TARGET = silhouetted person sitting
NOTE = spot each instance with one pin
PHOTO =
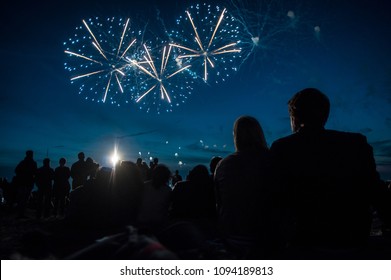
(242, 195)
(25, 173)
(79, 171)
(327, 181)
(156, 200)
(61, 187)
(193, 199)
(44, 181)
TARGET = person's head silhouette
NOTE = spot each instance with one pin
(29, 154)
(81, 156)
(248, 134)
(308, 108)
(62, 161)
(46, 162)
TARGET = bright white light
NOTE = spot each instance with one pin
(291, 14)
(115, 158)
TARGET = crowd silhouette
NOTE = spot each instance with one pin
(314, 194)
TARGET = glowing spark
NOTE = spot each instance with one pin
(82, 56)
(119, 83)
(131, 44)
(99, 50)
(217, 26)
(158, 77)
(86, 75)
(180, 70)
(107, 88)
(195, 31)
(182, 47)
(93, 36)
(122, 37)
(142, 96)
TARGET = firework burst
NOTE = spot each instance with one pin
(167, 83)
(208, 39)
(98, 56)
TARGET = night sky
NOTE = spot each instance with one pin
(341, 47)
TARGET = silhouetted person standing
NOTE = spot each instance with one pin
(327, 181)
(213, 164)
(25, 173)
(61, 186)
(241, 183)
(152, 165)
(44, 181)
(79, 171)
(143, 167)
(176, 178)
(91, 168)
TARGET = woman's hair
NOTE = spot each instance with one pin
(248, 134)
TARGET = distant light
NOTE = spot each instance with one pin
(115, 158)
(291, 14)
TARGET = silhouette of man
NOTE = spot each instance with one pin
(61, 187)
(213, 164)
(44, 181)
(79, 171)
(327, 179)
(91, 168)
(176, 178)
(25, 173)
(144, 169)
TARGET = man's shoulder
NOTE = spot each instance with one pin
(329, 134)
(284, 141)
(345, 135)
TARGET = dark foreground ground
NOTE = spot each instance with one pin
(50, 238)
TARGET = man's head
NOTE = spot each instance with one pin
(213, 163)
(308, 108)
(29, 154)
(248, 134)
(62, 161)
(81, 156)
(46, 162)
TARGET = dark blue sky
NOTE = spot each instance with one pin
(347, 56)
